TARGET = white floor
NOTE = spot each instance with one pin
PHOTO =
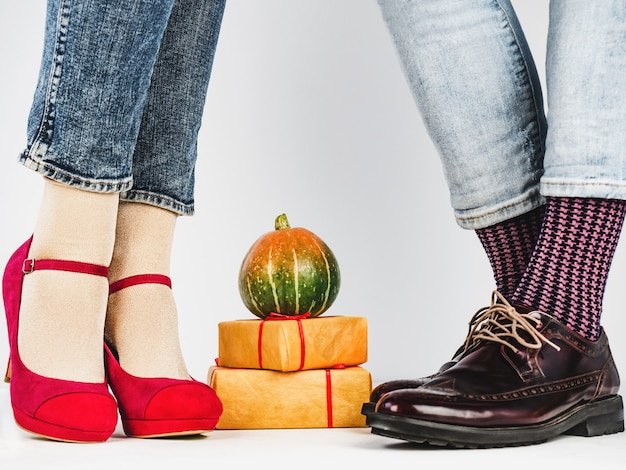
(308, 448)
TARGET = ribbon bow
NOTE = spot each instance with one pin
(273, 316)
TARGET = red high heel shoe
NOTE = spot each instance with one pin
(58, 409)
(160, 407)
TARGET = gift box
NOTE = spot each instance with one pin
(293, 343)
(267, 399)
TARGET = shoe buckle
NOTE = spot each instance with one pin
(28, 266)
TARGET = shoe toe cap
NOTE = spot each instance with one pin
(393, 385)
(192, 400)
(88, 412)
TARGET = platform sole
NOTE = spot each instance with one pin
(57, 432)
(147, 429)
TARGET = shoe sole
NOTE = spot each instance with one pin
(148, 429)
(368, 408)
(598, 418)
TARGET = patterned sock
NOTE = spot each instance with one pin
(567, 274)
(509, 246)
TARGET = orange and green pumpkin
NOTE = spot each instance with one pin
(289, 271)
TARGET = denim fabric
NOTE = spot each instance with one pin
(120, 95)
(475, 82)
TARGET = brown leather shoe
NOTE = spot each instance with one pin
(525, 379)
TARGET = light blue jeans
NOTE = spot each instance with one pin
(475, 82)
(120, 96)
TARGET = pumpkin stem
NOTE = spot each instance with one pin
(281, 222)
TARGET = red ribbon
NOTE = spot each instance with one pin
(329, 394)
(329, 399)
(277, 316)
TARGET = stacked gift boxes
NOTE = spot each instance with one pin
(292, 372)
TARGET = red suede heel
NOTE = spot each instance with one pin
(160, 407)
(58, 409)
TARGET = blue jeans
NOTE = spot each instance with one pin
(475, 82)
(120, 96)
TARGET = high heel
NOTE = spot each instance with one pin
(58, 409)
(159, 407)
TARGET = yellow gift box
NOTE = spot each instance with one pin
(293, 343)
(267, 399)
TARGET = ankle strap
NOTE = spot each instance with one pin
(140, 279)
(31, 265)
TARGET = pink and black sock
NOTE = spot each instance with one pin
(509, 246)
(567, 273)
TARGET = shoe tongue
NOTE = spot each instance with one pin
(524, 309)
(541, 317)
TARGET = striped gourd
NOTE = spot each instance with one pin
(289, 271)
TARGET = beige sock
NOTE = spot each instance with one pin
(62, 314)
(142, 322)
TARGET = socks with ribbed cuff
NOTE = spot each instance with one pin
(142, 321)
(61, 320)
(509, 246)
(567, 273)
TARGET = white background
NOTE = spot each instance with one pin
(308, 113)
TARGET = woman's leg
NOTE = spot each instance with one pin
(142, 321)
(62, 314)
(93, 82)
(147, 373)
(96, 68)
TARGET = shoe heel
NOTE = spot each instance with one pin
(57, 409)
(7, 374)
(601, 424)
